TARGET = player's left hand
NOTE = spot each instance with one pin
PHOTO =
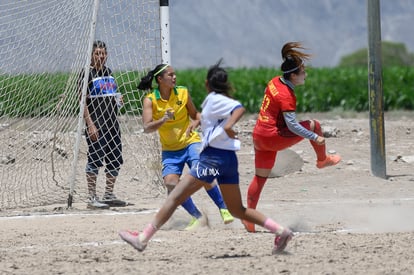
(232, 133)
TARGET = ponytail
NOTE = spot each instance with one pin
(293, 59)
(217, 79)
(146, 81)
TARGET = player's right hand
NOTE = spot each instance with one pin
(169, 114)
(93, 132)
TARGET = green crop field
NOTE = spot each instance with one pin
(326, 89)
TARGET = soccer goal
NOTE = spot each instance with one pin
(44, 46)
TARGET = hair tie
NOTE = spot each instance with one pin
(162, 69)
(294, 69)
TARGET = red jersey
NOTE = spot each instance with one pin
(278, 98)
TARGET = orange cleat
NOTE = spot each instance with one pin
(250, 227)
(330, 160)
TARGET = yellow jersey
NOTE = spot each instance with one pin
(173, 132)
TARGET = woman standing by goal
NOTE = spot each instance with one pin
(103, 134)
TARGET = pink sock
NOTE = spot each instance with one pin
(272, 226)
(147, 233)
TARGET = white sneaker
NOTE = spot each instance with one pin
(93, 203)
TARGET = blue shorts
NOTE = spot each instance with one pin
(173, 161)
(217, 164)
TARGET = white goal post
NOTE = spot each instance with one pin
(44, 46)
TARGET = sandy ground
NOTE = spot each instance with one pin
(346, 221)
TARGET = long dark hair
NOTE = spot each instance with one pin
(217, 78)
(146, 81)
(293, 59)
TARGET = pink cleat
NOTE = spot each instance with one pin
(132, 237)
(281, 241)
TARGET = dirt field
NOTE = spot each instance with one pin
(346, 221)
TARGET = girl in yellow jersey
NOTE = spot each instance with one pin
(168, 109)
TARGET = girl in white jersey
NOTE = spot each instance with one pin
(218, 161)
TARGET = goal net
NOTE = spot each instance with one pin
(44, 47)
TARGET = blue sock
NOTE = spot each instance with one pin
(215, 195)
(190, 207)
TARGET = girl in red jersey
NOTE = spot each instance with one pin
(277, 128)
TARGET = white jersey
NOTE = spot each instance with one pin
(216, 110)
